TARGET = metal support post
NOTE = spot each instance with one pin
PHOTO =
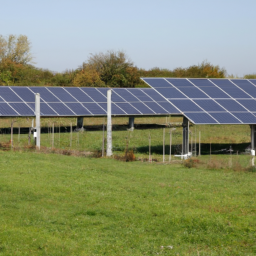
(131, 123)
(185, 143)
(253, 138)
(80, 124)
(38, 126)
(109, 124)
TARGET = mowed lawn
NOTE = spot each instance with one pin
(63, 205)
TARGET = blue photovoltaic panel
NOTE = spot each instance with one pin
(61, 94)
(200, 118)
(8, 95)
(79, 109)
(61, 109)
(95, 109)
(153, 95)
(215, 92)
(128, 108)
(6, 110)
(246, 86)
(209, 105)
(114, 109)
(24, 93)
(249, 104)
(115, 97)
(201, 82)
(253, 81)
(246, 117)
(222, 83)
(225, 118)
(193, 92)
(45, 95)
(230, 88)
(157, 109)
(142, 108)
(179, 82)
(22, 109)
(169, 107)
(126, 95)
(140, 94)
(94, 94)
(231, 105)
(79, 94)
(157, 82)
(171, 93)
(242, 83)
(186, 105)
(45, 110)
(236, 93)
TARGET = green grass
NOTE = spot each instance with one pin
(61, 205)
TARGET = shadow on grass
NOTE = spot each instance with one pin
(206, 148)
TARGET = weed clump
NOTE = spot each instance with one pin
(129, 156)
(191, 162)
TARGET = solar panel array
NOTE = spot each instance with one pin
(71, 101)
(210, 101)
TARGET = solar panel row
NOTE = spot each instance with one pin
(58, 101)
(224, 101)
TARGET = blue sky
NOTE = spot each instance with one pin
(165, 34)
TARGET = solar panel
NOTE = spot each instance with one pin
(139, 94)
(78, 94)
(253, 81)
(142, 108)
(94, 94)
(231, 105)
(186, 105)
(200, 118)
(6, 110)
(128, 108)
(201, 100)
(157, 109)
(22, 108)
(209, 105)
(157, 82)
(8, 95)
(63, 95)
(114, 109)
(171, 93)
(126, 95)
(215, 92)
(225, 118)
(61, 109)
(78, 108)
(249, 104)
(245, 117)
(45, 94)
(221, 100)
(94, 108)
(24, 93)
(179, 82)
(193, 92)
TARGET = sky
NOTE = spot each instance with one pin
(164, 33)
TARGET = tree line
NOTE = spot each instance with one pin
(111, 69)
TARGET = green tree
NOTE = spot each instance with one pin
(88, 77)
(15, 48)
(114, 69)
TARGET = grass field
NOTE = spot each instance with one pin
(62, 205)
(54, 204)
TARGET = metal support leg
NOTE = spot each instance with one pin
(185, 143)
(131, 123)
(80, 124)
(253, 137)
